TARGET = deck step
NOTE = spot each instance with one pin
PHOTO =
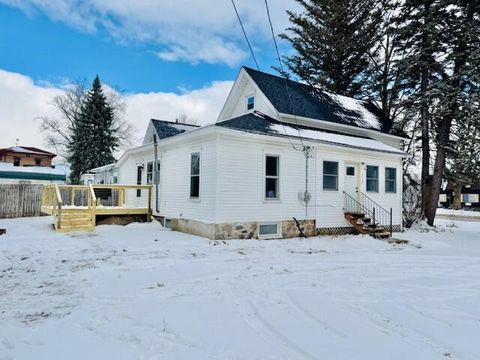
(363, 225)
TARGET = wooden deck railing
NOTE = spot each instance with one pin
(92, 198)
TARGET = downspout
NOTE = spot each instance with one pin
(155, 151)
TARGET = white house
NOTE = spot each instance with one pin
(279, 150)
(106, 174)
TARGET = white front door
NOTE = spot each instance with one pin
(351, 179)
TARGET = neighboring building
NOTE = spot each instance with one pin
(22, 164)
(470, 196)
(275, 153)
(26, 156)
(106, 174)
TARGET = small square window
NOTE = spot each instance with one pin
(350, 171)
(250, 102)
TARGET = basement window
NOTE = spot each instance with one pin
(268, 230)
(250, 102)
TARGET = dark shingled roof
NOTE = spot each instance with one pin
(310, 102)
(262, 124)
(167, 129)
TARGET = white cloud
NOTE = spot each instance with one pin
(22, 101)
(184, 30)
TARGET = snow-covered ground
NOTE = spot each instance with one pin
(450, 213)
(139, 292)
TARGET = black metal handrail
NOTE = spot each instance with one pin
(378, 214)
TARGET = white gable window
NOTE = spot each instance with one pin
(330, 175)
(390, 180)
(250, 102)
(372, 178)
(272, 177)
(195, 175)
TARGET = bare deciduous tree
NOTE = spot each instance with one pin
(58, 130)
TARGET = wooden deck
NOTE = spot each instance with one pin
(77, 207)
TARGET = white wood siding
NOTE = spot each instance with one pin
(330, 203)
(241, 183)
(174, 185)
(232, 180)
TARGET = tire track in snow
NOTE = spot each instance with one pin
(277, 334)
(307, 314)
(395, 327)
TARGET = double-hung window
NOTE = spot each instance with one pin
(372, 178)
(272, 178)
(139, 179)
(390, 180)
(195, 175)
(149, 173)
(330, 175)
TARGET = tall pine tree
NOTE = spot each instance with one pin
(334, 41)
(94, 134)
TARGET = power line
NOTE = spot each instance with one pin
(245, 34)
(284, 77)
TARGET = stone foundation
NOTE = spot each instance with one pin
(244, 230)
(249, 230)
(290, 229)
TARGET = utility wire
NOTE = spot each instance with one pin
(284, 78)
(245, 34)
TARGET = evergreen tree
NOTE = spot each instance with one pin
(463, 163)
(420, 40)
(94, 134)
(461, 28)
(334, 41)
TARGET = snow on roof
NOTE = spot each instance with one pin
(167, 129)
(262, 124)
(102, 168)
(311, 102)
(27, 150)
(364, 118)
(30, 169)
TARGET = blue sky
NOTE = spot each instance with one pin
(167, 57)
(51, 50)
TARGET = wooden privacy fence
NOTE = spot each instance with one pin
(20, 200)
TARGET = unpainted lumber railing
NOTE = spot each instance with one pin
(56, 198)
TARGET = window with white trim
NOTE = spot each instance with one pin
(470, 198)
(372, 178)
(250, 102)
(149, 172)
(442, 198)
(195, 175)
(330, 175)
(268, 230)
(390, 180)
(272, 177)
